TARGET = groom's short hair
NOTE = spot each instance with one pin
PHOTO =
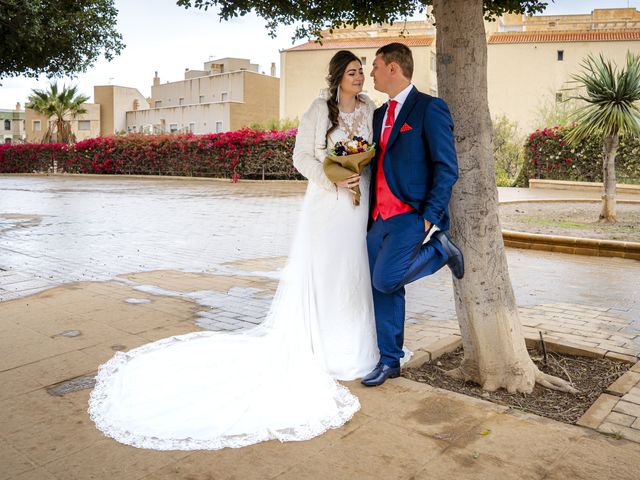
(399, 53)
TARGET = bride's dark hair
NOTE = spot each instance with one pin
(337, 67)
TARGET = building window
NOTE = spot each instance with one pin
(37, 126)
(192, 127)
(224, 96)
(558, 96)
(7, 124)
(560, 55)
(7, 140)
(181, 101)
(158, 103)
(84, 125)
(218, 127)
(363, 60)
(201, 98)
(173, 127)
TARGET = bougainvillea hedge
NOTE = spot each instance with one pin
(246, 153)
(27, 158)
(548, 156)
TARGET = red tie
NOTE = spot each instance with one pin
(386, 204)
(388, 125)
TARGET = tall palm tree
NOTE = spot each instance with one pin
(59, 106)
(613, 98)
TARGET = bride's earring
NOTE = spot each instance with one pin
(338, 94)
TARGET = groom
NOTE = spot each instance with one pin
(412, 177)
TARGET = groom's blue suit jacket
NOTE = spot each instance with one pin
(420, 164)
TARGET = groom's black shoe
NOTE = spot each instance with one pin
(380, 374)
(455, 260)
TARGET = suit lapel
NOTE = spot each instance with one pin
(378, 115)
(407, 106)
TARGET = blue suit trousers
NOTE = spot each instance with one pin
(397, 257)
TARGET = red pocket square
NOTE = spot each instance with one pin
(405, 128)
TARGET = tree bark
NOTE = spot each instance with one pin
(60, 130)
(609, 147)
(495, 354)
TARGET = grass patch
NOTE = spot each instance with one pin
(549, 222)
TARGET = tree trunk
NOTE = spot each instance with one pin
(495, 355)
(48, 134)
(610, 147)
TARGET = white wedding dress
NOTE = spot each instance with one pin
(211, 390)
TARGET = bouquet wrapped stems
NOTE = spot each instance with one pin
(341, 167)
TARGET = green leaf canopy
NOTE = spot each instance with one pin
(56, 37)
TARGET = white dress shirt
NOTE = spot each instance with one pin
(400, 98)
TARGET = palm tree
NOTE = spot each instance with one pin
(61, 105)
(612, 111)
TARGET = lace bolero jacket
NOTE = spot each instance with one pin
(311, 141)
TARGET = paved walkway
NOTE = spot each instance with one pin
(93, 265)
(55, 230)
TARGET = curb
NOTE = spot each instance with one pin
(433, 350)
(572, 245)
(448, 344)
(584, 186)
(147, 177)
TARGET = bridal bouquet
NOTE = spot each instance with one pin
(346, 158)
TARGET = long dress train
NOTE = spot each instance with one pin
(210, 390)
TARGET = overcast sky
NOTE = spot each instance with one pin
(162, 36)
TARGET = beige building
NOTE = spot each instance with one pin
(12, 125)
(83, 126)
(227, 94)
(530, 59)
(114, 103)
(303, 68)
(530, 68)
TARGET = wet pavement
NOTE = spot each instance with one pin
(60, 229)
(57, 229)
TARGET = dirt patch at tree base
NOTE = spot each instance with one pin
(591, 376)
(571, 219)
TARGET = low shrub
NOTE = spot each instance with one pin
(547, 156)
(245, 153)
(32, 158)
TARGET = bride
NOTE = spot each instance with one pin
(211, 390)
